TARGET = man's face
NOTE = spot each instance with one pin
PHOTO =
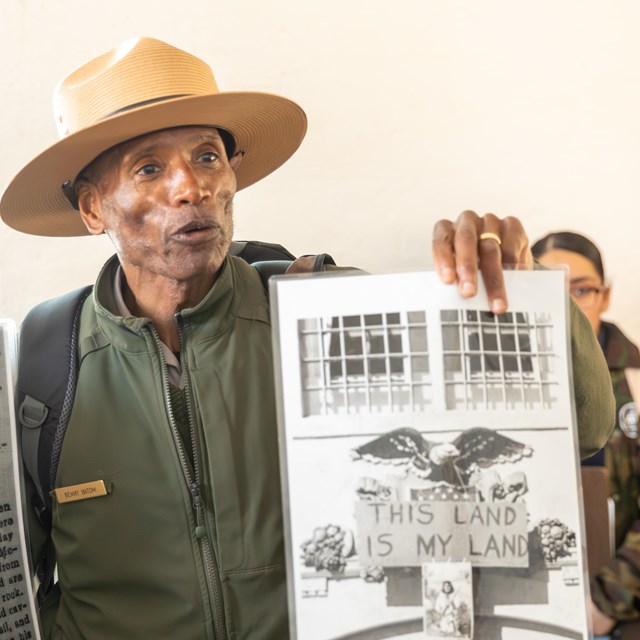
(166, 201)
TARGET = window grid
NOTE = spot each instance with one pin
(496, 362)
(365, 363)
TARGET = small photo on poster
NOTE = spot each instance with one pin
(447, 598)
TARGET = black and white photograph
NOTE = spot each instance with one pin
(448, 600)
(428, 445)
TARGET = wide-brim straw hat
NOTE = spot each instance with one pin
(143, 85)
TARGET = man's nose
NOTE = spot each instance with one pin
(187, 187)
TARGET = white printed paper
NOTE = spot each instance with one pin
(18, 620)
(417, 431)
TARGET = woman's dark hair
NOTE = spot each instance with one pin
(570, 241)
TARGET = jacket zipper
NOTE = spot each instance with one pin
(202, 533)
(210, 569)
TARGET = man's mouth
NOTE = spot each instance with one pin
(196, 231)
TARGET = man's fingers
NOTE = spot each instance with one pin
(490, 259)
(466, 252)
(487, 243)
(516, 252)
(444, 260)
(492, 276)
(455, 251)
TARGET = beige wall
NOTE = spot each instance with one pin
(418, 109)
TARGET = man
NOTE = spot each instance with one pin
(174, 407)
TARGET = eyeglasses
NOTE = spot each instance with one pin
(586, 297)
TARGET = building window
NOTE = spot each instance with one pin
(365, 363)
(497, 361)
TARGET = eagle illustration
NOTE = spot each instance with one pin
(453, 462)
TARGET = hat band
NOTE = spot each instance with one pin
(135, 105)
(70, 194)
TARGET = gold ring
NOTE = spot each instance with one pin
(487, 235)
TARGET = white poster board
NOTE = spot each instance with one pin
(18, 620)
(429, 459)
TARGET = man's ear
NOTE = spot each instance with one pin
(90, 209)
(236, 159)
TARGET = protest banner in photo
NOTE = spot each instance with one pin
(428, 445)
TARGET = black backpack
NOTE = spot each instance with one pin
(47, 375)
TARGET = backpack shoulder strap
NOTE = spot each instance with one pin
(268, 268)
(254, 251)
(47, 367)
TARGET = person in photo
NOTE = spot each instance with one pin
(447, 605)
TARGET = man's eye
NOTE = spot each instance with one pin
(147, 170)
(208, 156)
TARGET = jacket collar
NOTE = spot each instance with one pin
(217, 310)
(619, 351)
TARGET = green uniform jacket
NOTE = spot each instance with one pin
(143, 562)
(616, 588)
(595, 403)
(621, 452)
(182, 552)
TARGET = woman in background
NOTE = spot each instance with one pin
(589, 288)
(616, 589)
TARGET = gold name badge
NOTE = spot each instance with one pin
(84, 491)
